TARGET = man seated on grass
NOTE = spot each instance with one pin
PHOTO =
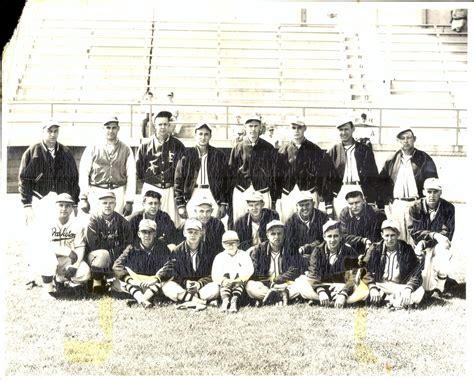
(165, 229)
(304, 227)
(393, 270)
(62, 248)
(251, 227)
(192, 286)
(360, 223)
(328, 277)
(144, 267)
(432, 229)
(276, 265)
(231, 270)
(108, 233)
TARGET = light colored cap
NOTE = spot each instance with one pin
(273, 224)
(403, 129)
(253, 117)
(270, 127)
(303, 196)
(64, 197)
(297, 120)
(230, 236)
(330, 225)
(391, 224)
(432, 183)
(108, 194)
(193, 224)
(203, 201)
(50, 123)
(202, 125)
(344, 122)
(111, 119)
(147, 224)
(254, 196)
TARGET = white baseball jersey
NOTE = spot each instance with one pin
(64, 238)
(239, 266)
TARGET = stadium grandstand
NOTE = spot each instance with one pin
(82, 61)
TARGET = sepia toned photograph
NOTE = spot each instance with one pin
(266, 188)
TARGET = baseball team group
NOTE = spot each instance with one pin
(269, 224)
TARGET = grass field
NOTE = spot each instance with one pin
(102, 336)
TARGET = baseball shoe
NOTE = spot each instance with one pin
(224, 306)
(285, 297)
(146, 304)
(31, 284)
(272, 297)
(233, 305)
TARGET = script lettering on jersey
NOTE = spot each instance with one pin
(62, 234)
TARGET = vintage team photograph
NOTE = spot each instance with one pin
(267, 188)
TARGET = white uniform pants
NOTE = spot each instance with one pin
(286, 206)
(398, 210)
(257, 290)
(239, 201)
(208, 292)
(437, 267)
(96, 192)
(168, 203)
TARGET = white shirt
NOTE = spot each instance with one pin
(275, 264)
(405, 184)
(238, 266)
(255, 237)
(350, 171)
(202, 177)
(63, 238)
(392, 269)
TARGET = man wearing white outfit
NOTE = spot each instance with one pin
(106, 167)
(61, 248)
(304, 166)
(156, 163)
(252, 167)
(432, 229)
(201, 172)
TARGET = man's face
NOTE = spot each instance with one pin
(192, 236)
(202, 137)
(231, 247)
(333, 239)
(297, 131)
(356, 204)
(346, 132)
(151, 206)
(203, 213)
(162, 127)
(107, 206)
(147, 237)
(305, 208)
(432, 197)
(252, 129)
(111, 131)
(390, 237)
(50, 135)
(407, 140)
(275, 236)
(64, 210)
(255, 208)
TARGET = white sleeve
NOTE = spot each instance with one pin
(246, 266)
(131, 188)
(217, 269)
(84, 170)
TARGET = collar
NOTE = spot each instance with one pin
(250, 142)
(157, 142)
(362, 213)
(189, 249)
(424, 204)
(270, 250)
(147, 250)
(294, 143)
(46, 147)
(310, 219)
(384, 249)
(328, 252)
(199, 152)
(405, 156)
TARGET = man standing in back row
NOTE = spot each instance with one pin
(156, 164)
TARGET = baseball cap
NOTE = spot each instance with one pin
(432, 183)
(253, 117)
(192, 224)
(303, 196)
(230, 236)
(147, 224)
(64, 197)
(344, 123)
(50, 123)
(330, 225)
(403, 129)
(203, 201)
(202, 125)
(108, 194)
(254, 196)
(298, 120)
(270, 127)
(274, 223)
(391, 224)
(167, 114)
(111, 119)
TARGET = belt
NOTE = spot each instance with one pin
(407, 199)
(201, 187)
(108, 186)
(166, 185)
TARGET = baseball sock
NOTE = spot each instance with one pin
(134, 291)
(237, 291)
(48, 283)
(225, 292)
(150, 292)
